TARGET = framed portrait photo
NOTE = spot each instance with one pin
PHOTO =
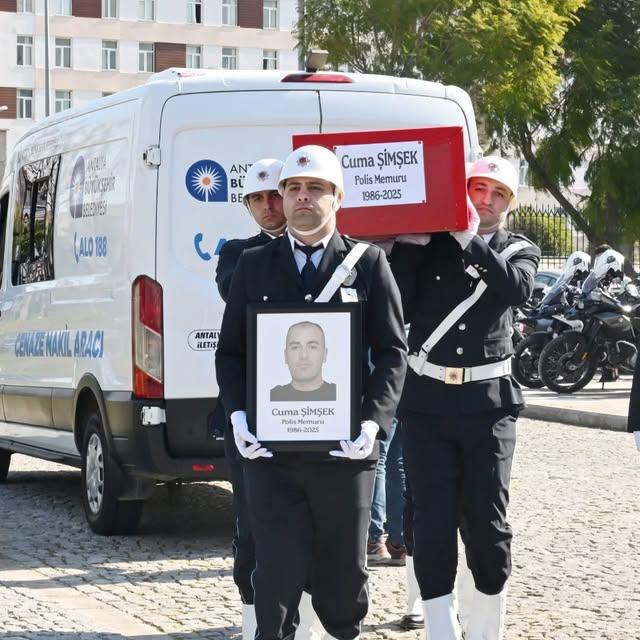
(304, 374)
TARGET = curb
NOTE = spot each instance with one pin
(589, 419)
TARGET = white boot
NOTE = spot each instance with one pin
(440, 619)
(413, 618)
(464, 591)
(486, 621)
(248, 622)
(309, 627)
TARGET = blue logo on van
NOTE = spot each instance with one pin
(206, 181)
(76, 188)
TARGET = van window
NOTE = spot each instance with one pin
(33, 224)
(4, 210)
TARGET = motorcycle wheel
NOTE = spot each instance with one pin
(525, 360)
(562, 367)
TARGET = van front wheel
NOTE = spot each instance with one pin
(105, 513)
(5, 461)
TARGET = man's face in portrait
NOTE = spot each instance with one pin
(305, 353)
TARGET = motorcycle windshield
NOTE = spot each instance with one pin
(555, 293)
(589, 284)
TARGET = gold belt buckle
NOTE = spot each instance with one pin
(453, 375)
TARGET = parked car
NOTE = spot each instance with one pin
(543, 282)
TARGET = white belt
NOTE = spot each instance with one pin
(459, 375)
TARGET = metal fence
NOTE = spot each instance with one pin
(552, 229)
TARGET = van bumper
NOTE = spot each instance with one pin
(143, 451)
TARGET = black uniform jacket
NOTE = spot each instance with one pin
(634, 401)
(270, 272)
(432, 281)
(229, 256)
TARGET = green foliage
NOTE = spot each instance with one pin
(548, 230)
(594, 117)
(557, 79)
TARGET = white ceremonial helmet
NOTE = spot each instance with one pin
(263, 175)
(313, 161)
(609, 263)
(497, 169)
(577, 262)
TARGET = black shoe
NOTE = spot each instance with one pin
(409, 622)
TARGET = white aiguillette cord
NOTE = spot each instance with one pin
(457, 312)
(342, 272)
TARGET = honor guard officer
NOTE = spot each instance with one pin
(633, 425)
(459, 403)
(264, 203)
(310, 511)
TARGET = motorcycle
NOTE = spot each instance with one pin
(547, 321)
(608, 338)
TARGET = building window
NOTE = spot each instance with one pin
(229, 58)
(194, 57)
(230, 12)
(109, 55)
(63, 101)
(269, 59)
(145, 56)
(63, 53)
(25, 51)
(24, 6)
(270, 14)
(25, 104)
(146, 9)
(109, 8)
(194, 11)
(62, 7)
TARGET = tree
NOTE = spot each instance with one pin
(595, 116)
(559, 80)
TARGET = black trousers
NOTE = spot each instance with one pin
(244, 559)
(310, 522)
(459, 469)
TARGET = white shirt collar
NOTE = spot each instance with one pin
(487, 236)
(323, 241)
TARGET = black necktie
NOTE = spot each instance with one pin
(308, 272)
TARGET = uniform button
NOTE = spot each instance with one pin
(437, 277)
(265, 298)
(462, 326)
(459, 351)
(308, 298)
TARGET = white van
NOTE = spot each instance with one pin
(111, 218)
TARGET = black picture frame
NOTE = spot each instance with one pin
(283, 316)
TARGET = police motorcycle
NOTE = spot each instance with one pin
(609, 336)
(548, 320)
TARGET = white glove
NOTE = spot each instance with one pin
(247, 444)
(636, 435)
(362, 446)
(421, 239)
(466, 236)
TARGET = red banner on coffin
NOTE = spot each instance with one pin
(400, 181)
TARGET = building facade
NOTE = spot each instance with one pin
(98, 47)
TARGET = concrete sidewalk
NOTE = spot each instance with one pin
(592, 406)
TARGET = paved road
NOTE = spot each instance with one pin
(576, 512)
